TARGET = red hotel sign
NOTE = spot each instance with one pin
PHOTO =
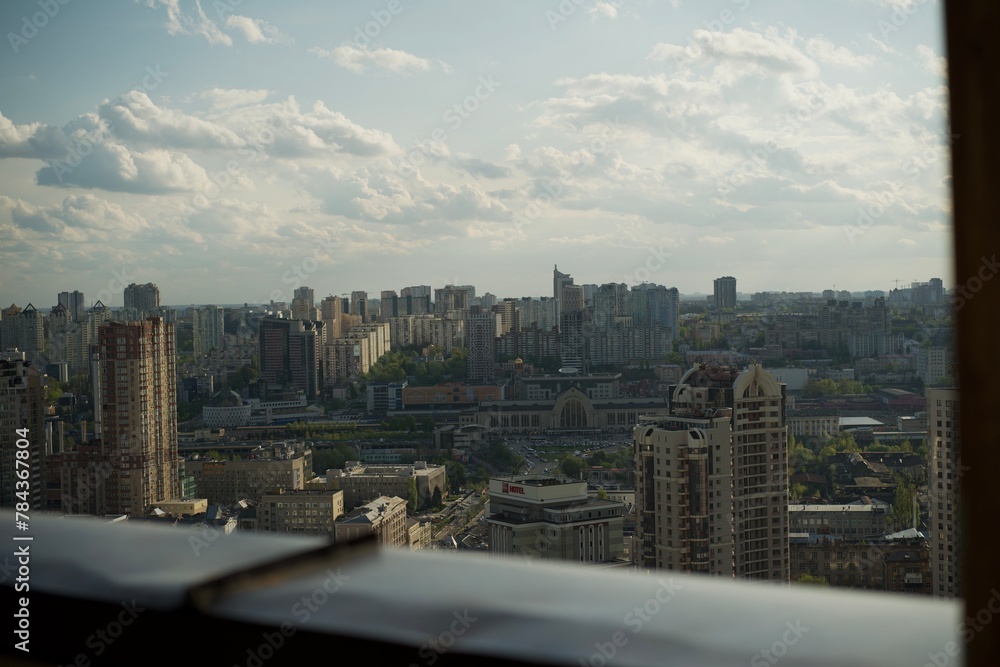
(512, 488)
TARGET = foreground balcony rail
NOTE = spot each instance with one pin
(129, 594)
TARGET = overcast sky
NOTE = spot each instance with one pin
(232, 150)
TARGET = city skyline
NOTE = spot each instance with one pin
(90, 298)
(217, 149)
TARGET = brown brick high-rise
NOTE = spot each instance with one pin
(138, 389)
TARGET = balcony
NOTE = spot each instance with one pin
(287, 599)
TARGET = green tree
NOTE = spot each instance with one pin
(810, 579)
(902, 505)
(436, 502)
(53, 390)
(571, 466)
(455, 473)
(411, 494)
(602, 494)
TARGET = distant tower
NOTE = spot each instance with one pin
(303, 304)
(725, 292)
(359, 305)
(944, 472)
(74, 303)
(22, 413)
(208, 325)
(559, 280)
(137, 370)
(480, 335)
(142, 298)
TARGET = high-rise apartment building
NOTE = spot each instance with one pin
(74, 303)
(22, 429)
(725, 292)
(684, 507)
(453, 298)
(142, 298)
(208, 324)
(138, 403)
(359, 305)
(24, 330)
(559, 280)
(758, 457)
(290, 354)
(572, 318)
(480, 338)
(943, 474)
(415, 300)
(303, 304)
(388, 305)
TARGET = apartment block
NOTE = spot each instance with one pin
(137, 375)
(684, 485)
(384, 517)
(300, 512)
(226, 482)
(22, 434)
(362, 483)
(943, 480)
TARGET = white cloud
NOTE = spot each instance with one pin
(606, 9)
(224, 99)
(257, 31)
(716, 240)
(932, 63)
(80, 218)
(357, 59)
(135, 117)
(195, 24)
(113, 166)
(828, 53)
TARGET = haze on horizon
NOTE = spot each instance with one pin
(217, 148)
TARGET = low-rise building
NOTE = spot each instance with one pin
(300, 512)
(362, 483)
(385, 517)
(898, 562)
(226, 482)
(540, 516)
(848, 521)
(418, 534)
